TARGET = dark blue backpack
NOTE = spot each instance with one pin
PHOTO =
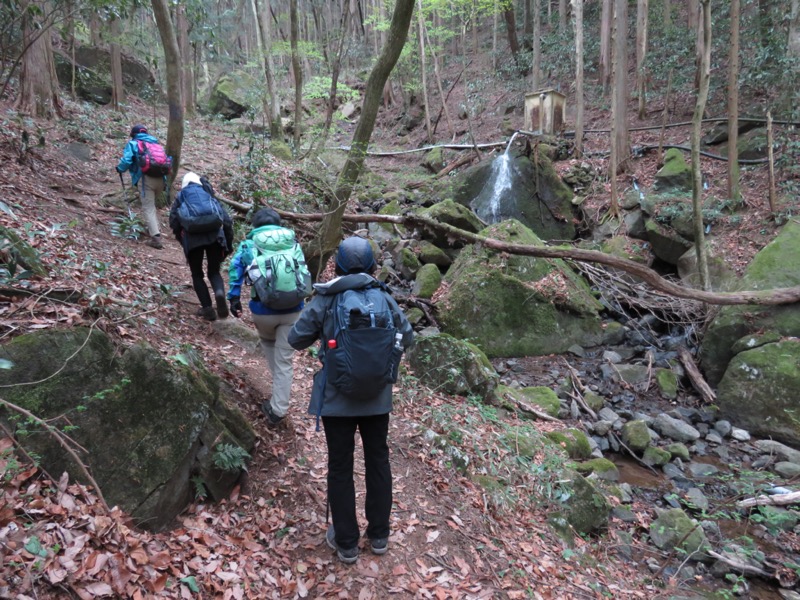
(368, 344)
(199, 212)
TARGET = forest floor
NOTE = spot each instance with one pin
(450, 538)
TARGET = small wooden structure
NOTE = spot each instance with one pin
(544, 111)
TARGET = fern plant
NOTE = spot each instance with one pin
(128, 226)
(230, 457)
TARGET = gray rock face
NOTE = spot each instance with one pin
(675, 429)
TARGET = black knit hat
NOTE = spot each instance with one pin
(355, 256)
(138, 129)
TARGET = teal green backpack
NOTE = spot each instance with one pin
(278, 271)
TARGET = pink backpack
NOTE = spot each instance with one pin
(153, 159)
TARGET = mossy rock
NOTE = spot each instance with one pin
(231, 96)
(573, 441)
(767, 270)
(721, 277)
(759, 391)
(383, 232)
(539, 397)
(16, 252)
(456, 367)
(656, 457)
(517, 305)
(280, 149)
(434, 160)
(667, 382)
(489, 483)
(414, 315)
(636, 435)
(433, 255)
(678, 450)
(450, 213)
(628, 248)
(427, 281)
(602, 468)
(674, 529)
(676, 174)
(520, 441)
(148, 426)
(594, 401)
(585, 508)
(666, 243)
(407, 263)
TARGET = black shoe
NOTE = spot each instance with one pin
(222, 305)
(379, 545)
(273, 420)
(347, 556)
(208, 313)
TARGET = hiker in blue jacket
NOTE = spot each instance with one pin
(342, 415)
(150, 187)
(272, 325)
(214, 244)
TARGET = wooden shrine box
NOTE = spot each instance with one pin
(544, 111)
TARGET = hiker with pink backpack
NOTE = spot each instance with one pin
(149, 166)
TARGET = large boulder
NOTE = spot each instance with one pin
(675, 175)
(520, 188)
(454, 214)
(442, 362)
(231, 96)
(583, 506)
(759, 390)
(767, 270)
(517, 305)
(148, 427)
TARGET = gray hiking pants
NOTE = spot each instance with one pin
(274, 332)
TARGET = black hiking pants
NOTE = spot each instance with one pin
(340, 437)
(214, 254)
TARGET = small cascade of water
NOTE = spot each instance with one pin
(487, 204)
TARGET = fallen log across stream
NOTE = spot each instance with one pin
(770, 297)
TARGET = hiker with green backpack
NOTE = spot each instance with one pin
(272, 262)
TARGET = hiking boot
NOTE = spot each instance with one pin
(379, 545)
(155, 242)
(208, 313)
(347, 556)
(222, 305)
(273, 420)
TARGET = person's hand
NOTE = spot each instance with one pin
(236, 306)
(117, 170)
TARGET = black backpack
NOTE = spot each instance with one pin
(199, 211)
(368, 347)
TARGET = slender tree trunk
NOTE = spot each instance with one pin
(773, 205)
(439, 87)
(172, 60)
(733, 104)
(698, 45)
(562, 16)
(335, 68)
(511, 27)
(117, 88)
(424, 71)
(793, 44)
(298, 73)
(693, 10)
(764, 21)
(641, 54)
(606, 25)
(331, 228)
(619, 110)
(577, 15)
(697, 174)
(273, 109)
(388, 92)
(536, 65)
(182, 25)
(494, 35)
(38, 84)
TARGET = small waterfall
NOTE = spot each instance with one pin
(487, 203)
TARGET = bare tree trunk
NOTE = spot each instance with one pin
(698, 47)
(117, 89)
(771, 158)
(336, 66)
(38, 84)
(620, 93)
(536, 66)
(697, 174)
(793, 43)
(298, 73)
(606, 25)
(693, 10)
(439, 87)
(511, 30)
(331, 228)
(424, 71)
(182, 25)
(562, 16)
(641, 54)
(172, 60)
(494, 36)
(273, 109)
(577, 15)
(733, 104)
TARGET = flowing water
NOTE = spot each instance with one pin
(487, 203)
